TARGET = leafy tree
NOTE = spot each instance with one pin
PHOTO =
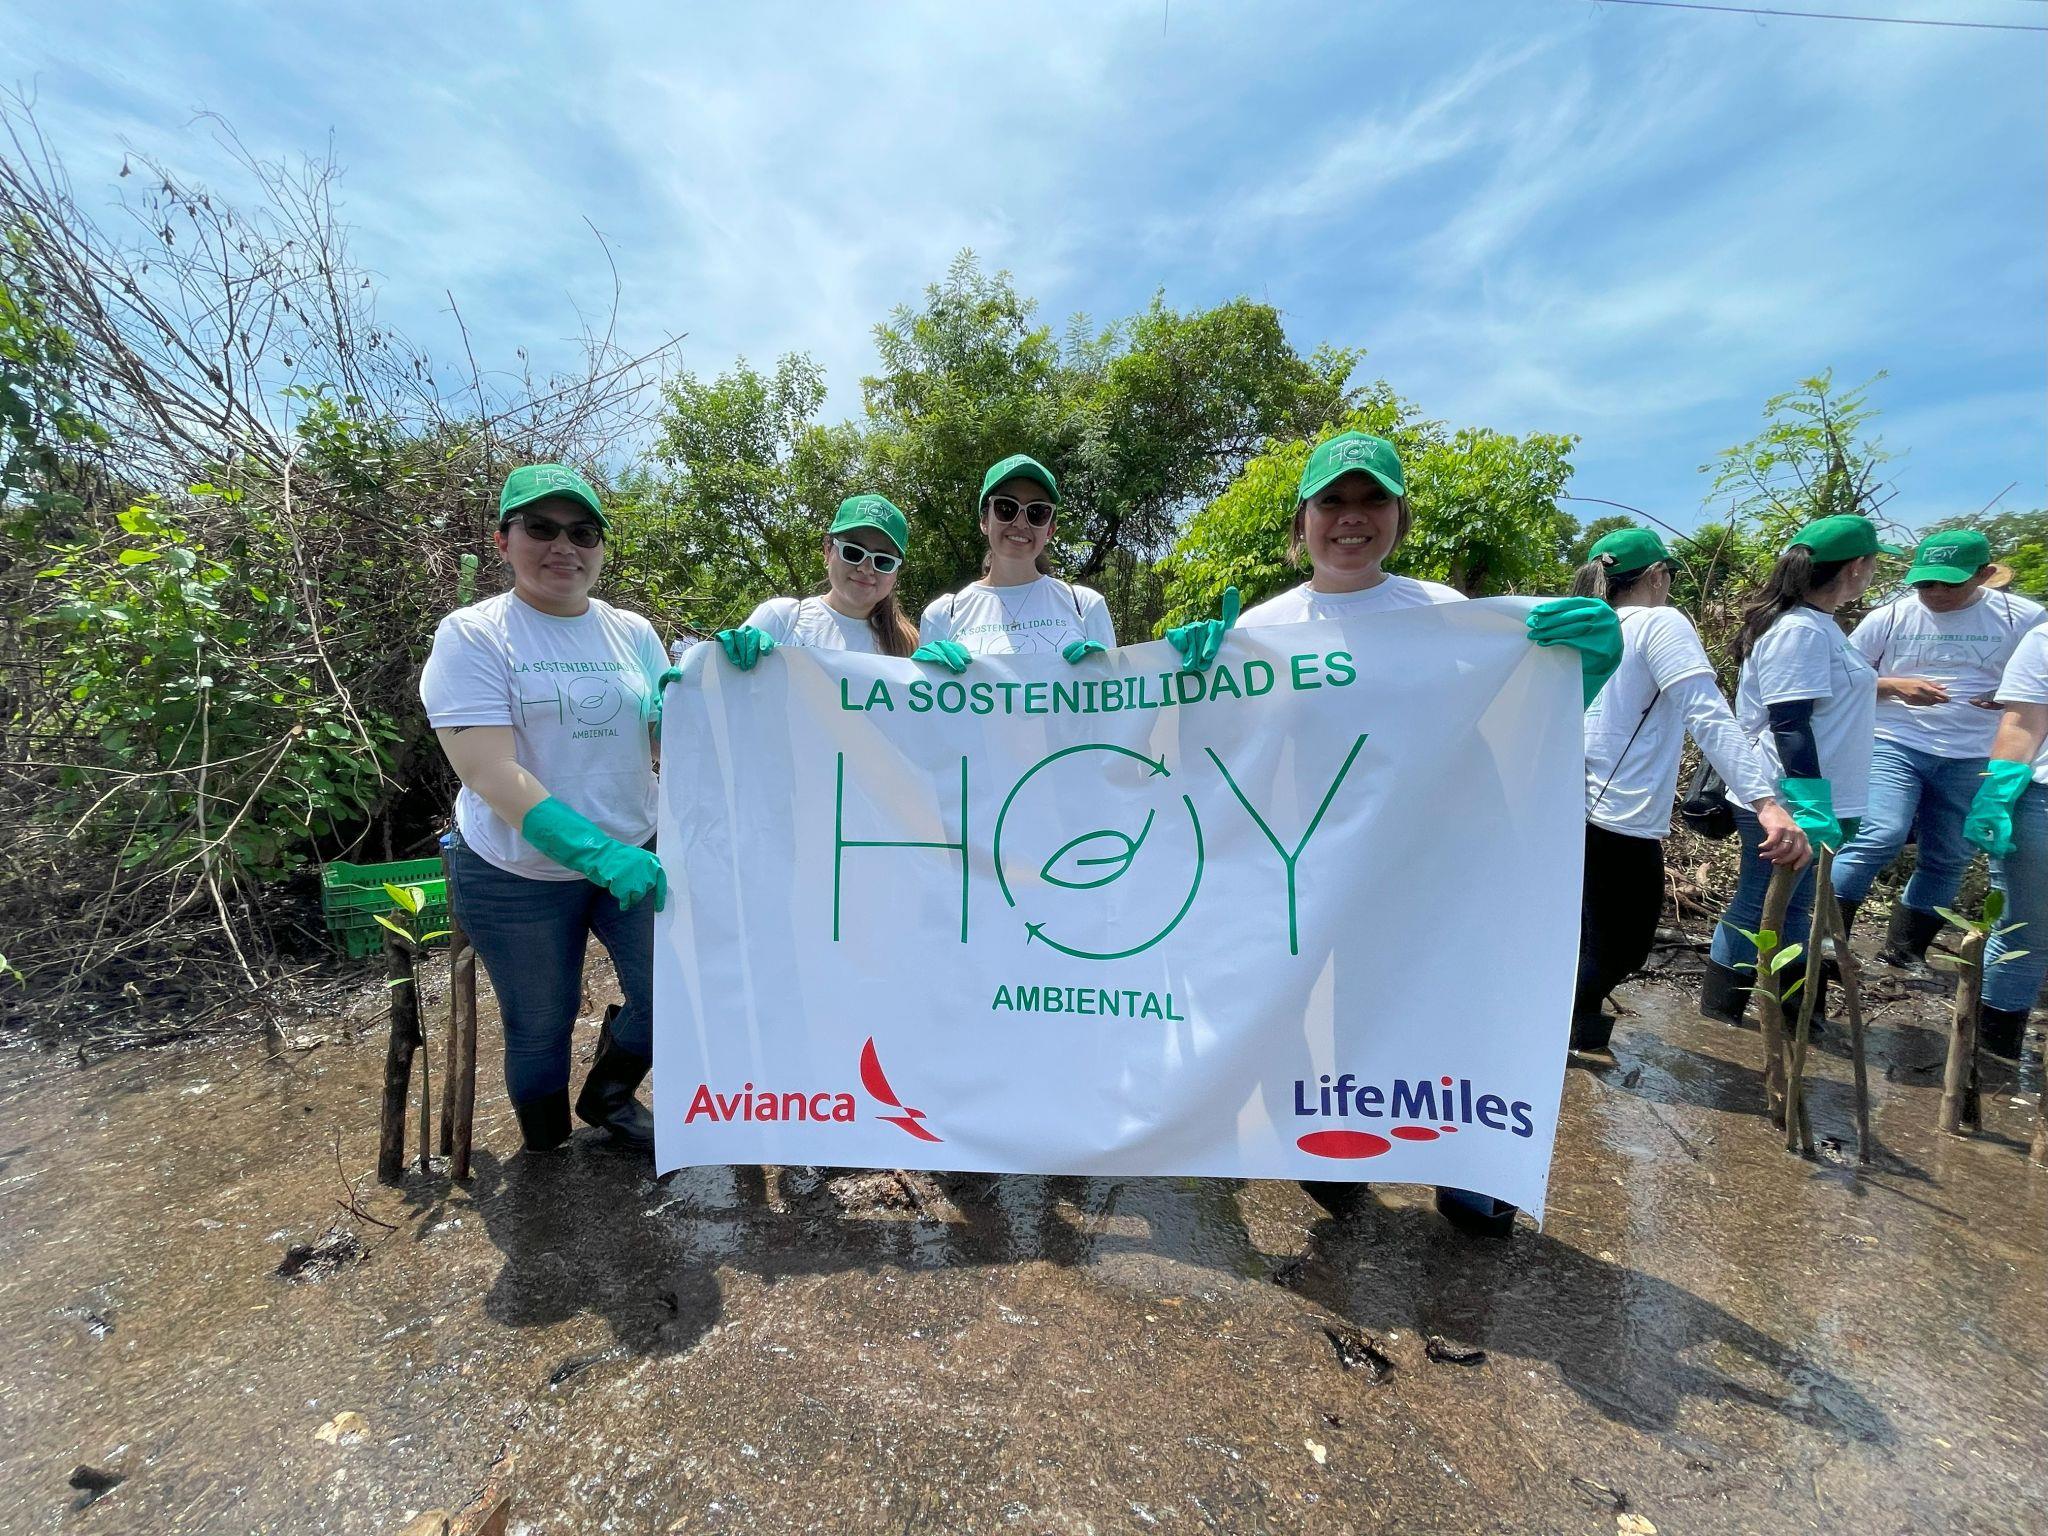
(1598, 529)
(1812, 459)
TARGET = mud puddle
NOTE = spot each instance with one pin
(1709, 1336)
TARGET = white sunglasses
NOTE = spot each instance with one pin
(854, 554)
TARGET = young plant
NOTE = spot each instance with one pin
(408, 1035)
(1959, 1077)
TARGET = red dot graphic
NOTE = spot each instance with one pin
(1445, 1081)
(1447, 1129)
(1345, 1143)
(1417, 1132)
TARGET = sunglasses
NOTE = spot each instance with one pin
(856, 554)
(542, 530)
(1036, 513)
(1377, 496)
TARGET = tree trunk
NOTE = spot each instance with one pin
(1769, 1007)
(398, 1053)
(1959, 1080)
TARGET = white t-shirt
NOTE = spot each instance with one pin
(2026, 682)
(578, 694)
(1039, 618)
(1636, 726)
(811, 623)
(1299, 604)
(1805, 655)
(1965, 651)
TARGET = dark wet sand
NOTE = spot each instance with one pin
(1710, 1335)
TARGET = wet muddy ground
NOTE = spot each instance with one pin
(1710, 1335)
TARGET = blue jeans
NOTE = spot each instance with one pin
(1746, 908)
(1908, 785)
(2023, 876)
(530, 935)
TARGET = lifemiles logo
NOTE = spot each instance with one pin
(1431, 1108)
(765, 1105)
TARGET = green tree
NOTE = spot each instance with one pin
(1814, 458)
(2019, 539)
(1598, 529)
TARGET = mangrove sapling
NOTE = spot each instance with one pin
(1798, 1126)
(1851, 974)
(1773, 956)
(402, 945)
(1959, 1077)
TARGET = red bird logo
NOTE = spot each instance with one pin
(876, 1081)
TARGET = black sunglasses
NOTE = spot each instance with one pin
(1036, 513)
(854, 554)
(542, 530)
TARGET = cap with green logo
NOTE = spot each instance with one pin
(1631, 549)
(1020, 464)
(1348, 452)
(1953, 555)
(1845, 536)
(877, 512)
(537, 482)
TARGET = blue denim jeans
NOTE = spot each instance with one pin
(1908, 786)
(531, 935)
(2023, 876)
(1746, 908)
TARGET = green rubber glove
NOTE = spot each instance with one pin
(745, 646)
(1081, 650)
(1199, 642)
(949, 654)
(1989, 823)
(575, 842)
(1812, 805)
(652, 707)
(1589, 627)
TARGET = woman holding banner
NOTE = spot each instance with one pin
(864, 550)
(1351, 512)
(1663, 688)
(1018, 608)
(545, 699)
(1808, 699)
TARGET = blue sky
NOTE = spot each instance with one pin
(1627, 223)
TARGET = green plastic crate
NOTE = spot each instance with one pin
(352, 897)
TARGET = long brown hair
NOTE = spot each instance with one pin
(894, 633)
(1795, 575)
(1596, 578)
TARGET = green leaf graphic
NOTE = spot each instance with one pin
(1111, 854)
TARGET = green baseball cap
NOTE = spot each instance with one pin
(1349, 451)
(877, 512)
(537, 482)
(1845, 536)
(1020, 464)
(1953, 555)
(1632, 549)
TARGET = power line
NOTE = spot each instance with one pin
(1897, 21)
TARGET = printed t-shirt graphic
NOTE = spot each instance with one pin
(577, 693)
(1035, 619)
(1965, 651)
(813, 624)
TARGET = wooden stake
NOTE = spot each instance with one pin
(448, 1054)
(1770, 1007)
(1852, 994)
(398, 1053)
(1959, 1079)
(462, 982)
(1798, 1127)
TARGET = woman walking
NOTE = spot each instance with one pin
(544, 699)
(1663, 689)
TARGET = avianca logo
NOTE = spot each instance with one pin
(765, 1105)
(1433, 1108)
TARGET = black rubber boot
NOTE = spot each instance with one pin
(544, 1122)
(1592, 1034)
(1340, 1197)
(1476, 1214)
(1908, 934)
(2000, 1031)
(607, 1098)
(1724, 994)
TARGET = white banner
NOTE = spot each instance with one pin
(1310, 914)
